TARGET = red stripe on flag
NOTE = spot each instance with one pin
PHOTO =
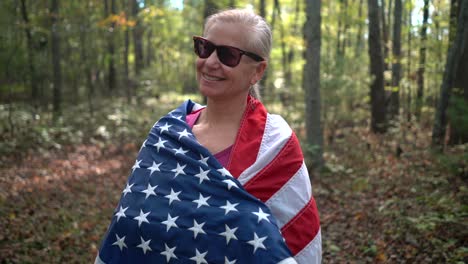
(303, 228)
(278, 172)
(249, 138)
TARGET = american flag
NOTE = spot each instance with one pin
(181, 206)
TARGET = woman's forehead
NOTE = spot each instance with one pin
(231, 34)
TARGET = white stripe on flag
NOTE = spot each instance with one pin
(277, 133)
(312, 253)
(292, 197)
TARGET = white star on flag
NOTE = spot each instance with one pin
(257, 242)
(173, 196)
(183, 134)
(201, 201)
(226, 261)
(120, 242)
(203, 175)
(154, 167)
(149, 190)
(197, 228)
(179, 170)
(261, 215)
(199, 257)
(142, 217)
(170, 222)
(143, 145)
(144, 245)
(230, 183)
(224, 172)
(136, 165)
(177, 117)
(165, 128)
(121, 213)
(169, 253)
(160, 144)
(229, 207)
(204, 160)
(180, 151)
(229, 233)
(128, 189)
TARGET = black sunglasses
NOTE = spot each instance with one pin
(227, 55)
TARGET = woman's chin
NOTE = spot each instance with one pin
(211, 92)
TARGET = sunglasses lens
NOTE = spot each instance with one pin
(203, 48)
(229, 56)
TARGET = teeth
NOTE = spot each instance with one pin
(211, 78)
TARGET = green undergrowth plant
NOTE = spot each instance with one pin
(112, 121)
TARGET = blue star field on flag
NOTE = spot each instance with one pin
(181, 206)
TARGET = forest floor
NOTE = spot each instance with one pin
(375, 207)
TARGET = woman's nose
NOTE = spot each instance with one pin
(213, 60)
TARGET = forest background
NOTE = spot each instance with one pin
(377, 91)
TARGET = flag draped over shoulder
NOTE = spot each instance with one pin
(181, 206)
(267, 160)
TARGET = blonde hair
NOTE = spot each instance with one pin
(259, 37)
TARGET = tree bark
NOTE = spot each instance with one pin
(111, 78)
(384, 29)
(311, 79)
(149, 48)
(359, 32)
(30, 48)
(57, 79)
(396, 65)
(137, 38)
(422, 60)
(210, 8)
(408, 67)
(459, 103)
(262, 8)
(377, 93)
(455, 54)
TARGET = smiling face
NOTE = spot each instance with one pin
(218, 81)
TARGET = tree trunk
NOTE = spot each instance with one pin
(128, 88)
(311, 79)
(210, 8)
(408, 67)
(30, 48)
(262, 8)
(384, 29)
(111, 81)
(396, 65)
(149, 48)
(57, 79)
(346, 18)
(290, 57)
(459, 102)
(422, 60)
(137, 38)
(377, 93)
(359, 32)
(284, 59)
(455, 55)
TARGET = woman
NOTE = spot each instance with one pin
(225, 183)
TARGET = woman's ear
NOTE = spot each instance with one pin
(259, 71)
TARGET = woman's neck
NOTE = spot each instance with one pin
(223, 112)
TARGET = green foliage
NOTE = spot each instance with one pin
(116, 121)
